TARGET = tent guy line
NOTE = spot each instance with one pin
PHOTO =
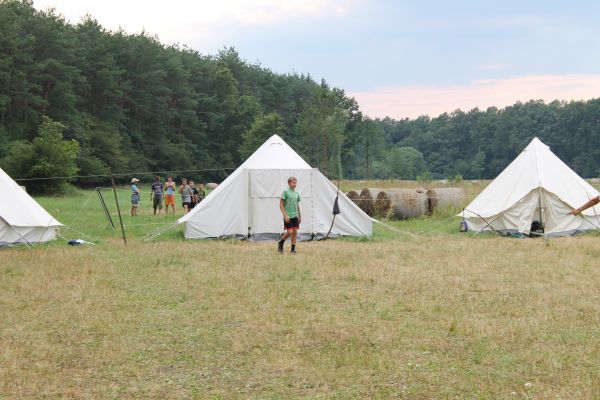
(125, 174)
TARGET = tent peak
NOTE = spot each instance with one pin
(536, 142)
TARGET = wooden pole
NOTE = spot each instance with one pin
(112, 179)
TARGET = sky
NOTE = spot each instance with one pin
(400, 59)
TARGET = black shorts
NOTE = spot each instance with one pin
(185, 203)
(294, 223)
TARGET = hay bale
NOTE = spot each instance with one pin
(446, 198)
(354, 196)
(367, 196)
(402, 203)
(382, 204)
(211, 185)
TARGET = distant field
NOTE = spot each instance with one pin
(430, 314)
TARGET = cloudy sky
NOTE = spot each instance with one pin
(397, 58)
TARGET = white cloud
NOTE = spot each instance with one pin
(412, 101)
(191, 22)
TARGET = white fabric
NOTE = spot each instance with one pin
(25, 234)
(247, 202)
(22, 219)
(537, 185)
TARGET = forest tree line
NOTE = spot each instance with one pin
(76, 99)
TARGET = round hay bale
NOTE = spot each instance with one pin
(404, 203)
(211, 185)
(382, 204)
(366, 200)
(354, 196)
(446, 198)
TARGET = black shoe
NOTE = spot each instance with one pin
(280, 246)
(293, 252)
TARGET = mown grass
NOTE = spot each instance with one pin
(421, 316)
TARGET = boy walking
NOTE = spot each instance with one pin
(289, 204)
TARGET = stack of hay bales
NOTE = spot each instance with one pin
(402, 203)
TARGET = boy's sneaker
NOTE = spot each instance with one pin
(280, 246)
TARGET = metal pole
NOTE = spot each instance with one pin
(106, 213)
(112, 179)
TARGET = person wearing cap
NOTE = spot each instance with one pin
(135, 196)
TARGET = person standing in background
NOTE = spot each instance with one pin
(194, 194)
(186, 195)
(169, 194)
(135, 197)
(156, 195)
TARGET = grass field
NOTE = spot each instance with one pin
(433, 314)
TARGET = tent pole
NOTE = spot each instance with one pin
(112, 179)
(103, 205)
(540, 206)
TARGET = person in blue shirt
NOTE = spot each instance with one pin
(135, 197)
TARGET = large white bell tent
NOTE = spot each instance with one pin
(536, 186)
(246, 204)
(22, 219)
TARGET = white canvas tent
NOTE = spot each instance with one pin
(536, 186)
(22, 219)
(246, 204)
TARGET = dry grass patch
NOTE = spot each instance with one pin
(442, 317)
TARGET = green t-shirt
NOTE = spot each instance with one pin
(290, 198)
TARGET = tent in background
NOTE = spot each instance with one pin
(536, 186)
(246, 204)
(22, 219)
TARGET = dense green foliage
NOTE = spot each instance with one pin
(133, 104)
(46, 156)
(479, 144)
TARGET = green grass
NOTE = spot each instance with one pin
(429, 315)
(82, 213)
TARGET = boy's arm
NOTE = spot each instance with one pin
(282, 208)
